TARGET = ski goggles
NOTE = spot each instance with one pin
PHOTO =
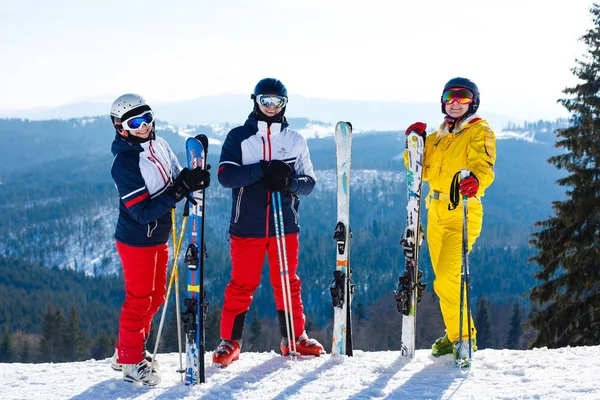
(268, 100)
(137, 121)
(460, 95)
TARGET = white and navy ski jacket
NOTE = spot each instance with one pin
(142, 174)
(240, 169)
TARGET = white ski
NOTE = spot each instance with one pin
(341, 288)
(410, 289)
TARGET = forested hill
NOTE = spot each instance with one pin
(59, 208)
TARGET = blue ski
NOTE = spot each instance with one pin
(194, 305)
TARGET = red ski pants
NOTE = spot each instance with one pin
(145, 272)
(247, 259)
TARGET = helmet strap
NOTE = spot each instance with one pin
(451, 121)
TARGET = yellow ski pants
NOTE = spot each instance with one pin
(444, 237)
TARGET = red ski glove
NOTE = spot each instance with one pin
(418, 127)
(469, 186)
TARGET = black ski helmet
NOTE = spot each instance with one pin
(268, 86)
(464, 83)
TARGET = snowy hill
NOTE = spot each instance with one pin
(567, 373)
(365, 115)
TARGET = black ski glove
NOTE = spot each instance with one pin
(189, 181)
(277, 175)
(408, 241)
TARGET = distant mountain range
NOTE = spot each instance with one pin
(234, 108)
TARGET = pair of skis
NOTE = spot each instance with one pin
(196, 308)
(341, 288)
(410, 289)
(194, 315)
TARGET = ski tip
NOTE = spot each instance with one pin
(204, 140)
(347, 123)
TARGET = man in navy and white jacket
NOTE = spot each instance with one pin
(258, 158)
(150, 182)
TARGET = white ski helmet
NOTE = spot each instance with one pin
(126, 103)
(127, 106)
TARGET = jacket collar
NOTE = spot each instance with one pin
(121, 145)
(260, 127)
(460, 125)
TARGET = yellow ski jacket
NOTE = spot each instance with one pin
(472, 145)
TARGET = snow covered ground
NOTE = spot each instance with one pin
(567, 373)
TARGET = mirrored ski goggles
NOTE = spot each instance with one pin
(137, 121)
(462, 96)
(268, 100)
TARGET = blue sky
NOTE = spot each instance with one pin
(520, 53)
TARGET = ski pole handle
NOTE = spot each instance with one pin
(464, 173)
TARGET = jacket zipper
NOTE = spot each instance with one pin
(157, 162)
(268, 209)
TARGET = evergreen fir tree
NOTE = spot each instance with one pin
(103, 347)
(168, 341)
(485, 339)
(212, 327)
(361, 311)
(568, 242)
(255, 328)
(25, 356)
(75, 345)
(61, 346)
(47, 348)
(7, 352)
(515, 332)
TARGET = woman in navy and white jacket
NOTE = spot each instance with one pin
(150, 182)
(258, 158)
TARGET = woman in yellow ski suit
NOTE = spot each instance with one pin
(463, 141)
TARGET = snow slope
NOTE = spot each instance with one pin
(567, 373)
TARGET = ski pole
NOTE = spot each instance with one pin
(464, 174)
(200, 334)
(173, 275)
(465, 278)
(283, 269)
(287, 271)
(177, 306)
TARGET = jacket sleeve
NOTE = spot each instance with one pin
(232, 173)
(304, 179)
(132, 190)
(481, 155)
